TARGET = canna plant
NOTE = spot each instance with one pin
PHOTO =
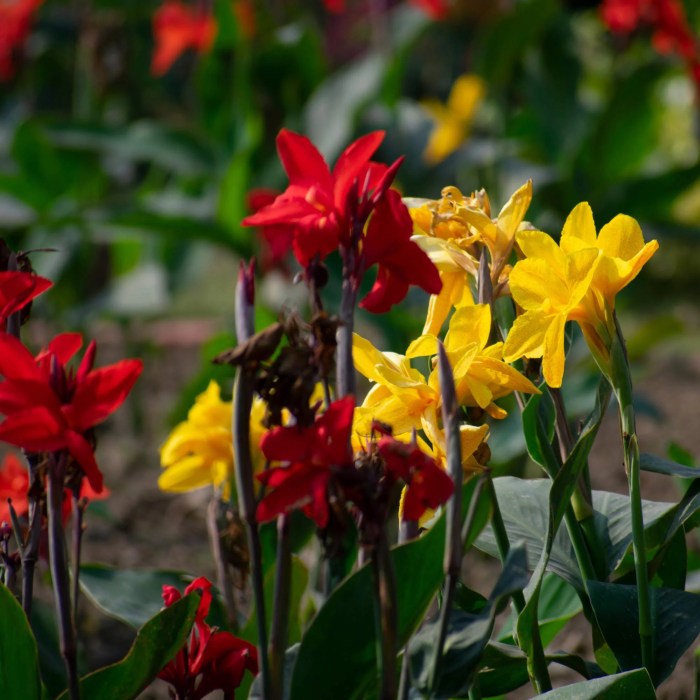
(385, 493)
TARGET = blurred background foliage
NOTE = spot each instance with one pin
(139, 181)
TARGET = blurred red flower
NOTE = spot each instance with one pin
(14, 484)
(427, 485)
(671, 31)
(401, 262)
(17, 289)
(15, 23)
(212, 659)
(319, 205)
(178, 27)
(312, 451)
(48, 406)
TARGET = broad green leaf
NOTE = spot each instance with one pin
(156, 644)
(19, 663)
(559, 602)
(675, 623)
(538, 427)
(525, 508)
(134, 596)
(51, 664)
(467, 635)
(621, 686)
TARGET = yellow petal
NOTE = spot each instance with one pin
(187, 474)
(580, 224)
(554, 356)
(526, 337)
(514, 210)
(536, 244)
(538, 286)
(621, 238)
(466, 94)
(422, 346)
(469, 324)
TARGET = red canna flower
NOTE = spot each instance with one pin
(17, 289)
(319, 204)
(312, 452)
(334, 6)
(48, 406)
(212, 659)
(427, 485)
(15, 23)
(401, 262)
(177, 28)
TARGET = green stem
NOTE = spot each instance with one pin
(280, 613)
(538, 663)
(621, 381)
(385, 616)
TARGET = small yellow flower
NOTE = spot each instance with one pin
(576, 281)
(449, 229)
(199, 451)
(453, 120)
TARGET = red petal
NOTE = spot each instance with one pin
(352, 163)
(21, 394)
(36, 429)
(302, 161)
(17, 289)
(63, 347)
(101, 393)
(16, 362)
(82, 452)
(284, 210)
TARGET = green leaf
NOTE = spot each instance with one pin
(538, 427)
(622, 686)
(675, 624)
(134, 596)
(157, 643)
(51, 664)
(19, 661)
(559, 602)
(659, 465)
(467, 635)
(503, 668)
(337, 656)
(525, 508)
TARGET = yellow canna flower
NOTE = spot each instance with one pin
(453, 120)
(480, 374)
(199, 451)
(576, 281)
(449, 230)
(403, 398)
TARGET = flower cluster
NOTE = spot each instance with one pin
(212, 659)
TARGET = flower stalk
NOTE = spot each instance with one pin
(279, 628)
(30, 550)
(223, 575)
(59, 573)
(242, 405)
(79, 506)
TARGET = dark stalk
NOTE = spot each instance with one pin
(242, 406)
(279, 629)
(59, 573)
(78, 529)
(223, 574)
(345, 369)
(385, 615)
(30, 551)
